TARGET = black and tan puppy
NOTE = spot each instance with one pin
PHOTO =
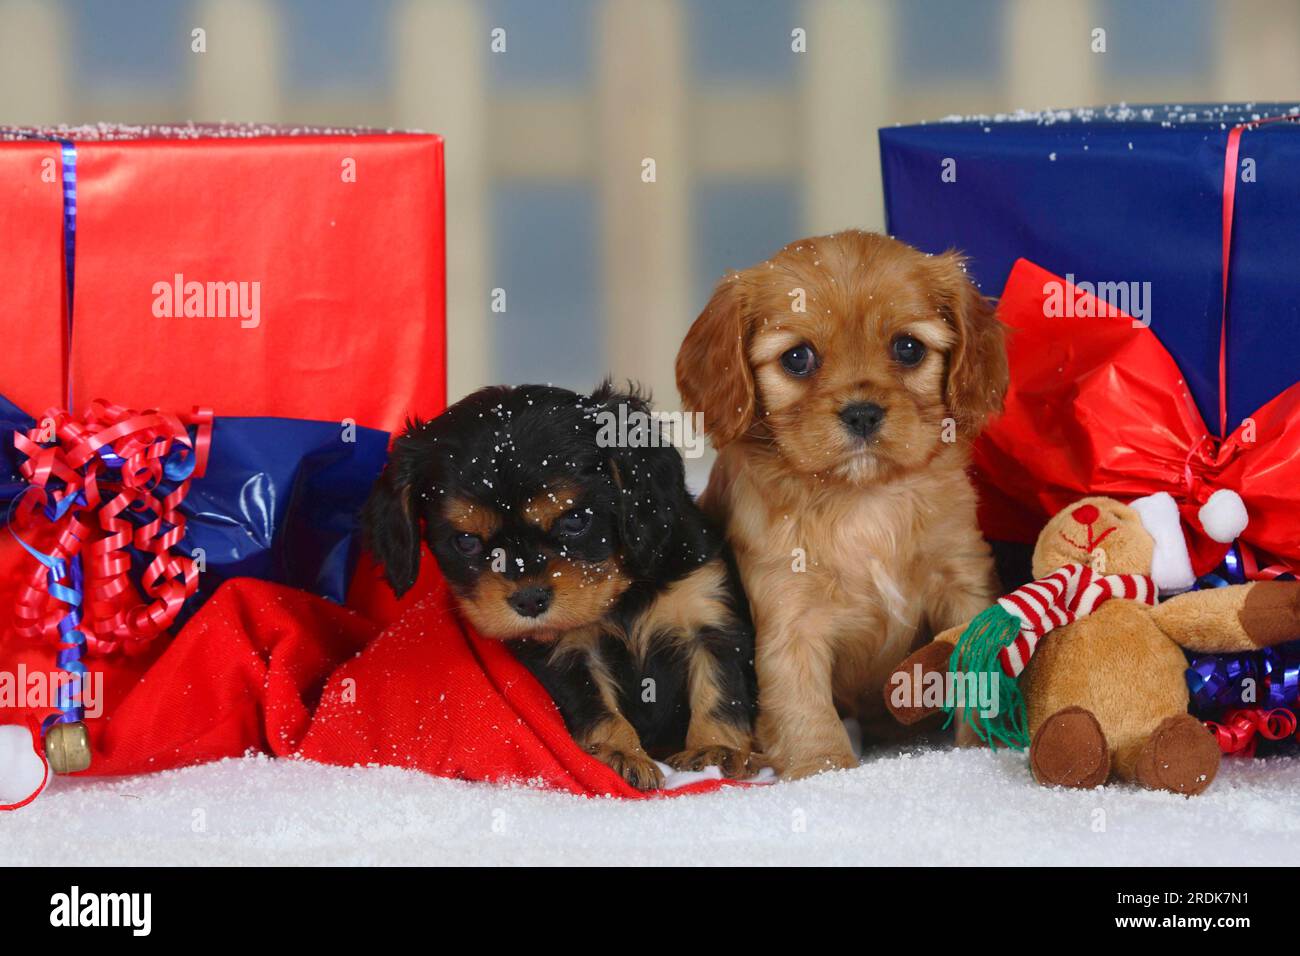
(590, 558)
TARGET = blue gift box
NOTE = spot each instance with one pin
(279, 501)
(1132, 195)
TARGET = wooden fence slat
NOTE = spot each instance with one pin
(642, 105)
(34, 71)
(847, 94)
(441, 64)
(239, 76)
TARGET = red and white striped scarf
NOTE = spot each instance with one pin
(1072, 592)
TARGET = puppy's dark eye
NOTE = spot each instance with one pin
(908, 350)
(470, 545)
(800, 360)
(572, 524)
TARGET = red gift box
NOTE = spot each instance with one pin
(259, 271)
(256, 271)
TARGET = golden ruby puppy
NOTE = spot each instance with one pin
(842, 382)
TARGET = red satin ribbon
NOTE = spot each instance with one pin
(1241, 730)
(1250, 563)
(1229, 205)
(113, 617)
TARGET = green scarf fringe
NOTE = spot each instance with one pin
(976, 652)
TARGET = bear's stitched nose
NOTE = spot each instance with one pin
(1085, 514)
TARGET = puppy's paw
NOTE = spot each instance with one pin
(807, 767)
(734, 764)
(634, 767)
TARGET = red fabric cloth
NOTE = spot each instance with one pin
(263, 667)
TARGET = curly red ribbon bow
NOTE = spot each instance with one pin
(87, 473)
(1240, 730)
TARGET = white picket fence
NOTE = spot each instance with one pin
(820, 131)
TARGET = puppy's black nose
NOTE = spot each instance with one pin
(531, 601)
(862, 418)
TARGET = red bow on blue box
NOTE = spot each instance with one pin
(112, 507)
(1098, 407)
(87, 476)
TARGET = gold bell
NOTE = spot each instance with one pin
(67, 747)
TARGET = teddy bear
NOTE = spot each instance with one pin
(1088, 666)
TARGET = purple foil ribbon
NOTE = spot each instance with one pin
(66, 582)
(1229, 572)
(1219, 681)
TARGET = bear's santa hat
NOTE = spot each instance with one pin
(1223, 517)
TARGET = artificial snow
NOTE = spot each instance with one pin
(1168, 115)
(915, 805)
(111, 132)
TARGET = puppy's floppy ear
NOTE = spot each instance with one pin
(977, 366)
(713, 373)
(651, 482)
(390, 525)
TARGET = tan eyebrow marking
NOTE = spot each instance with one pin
(470, 517)
(543, 509)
